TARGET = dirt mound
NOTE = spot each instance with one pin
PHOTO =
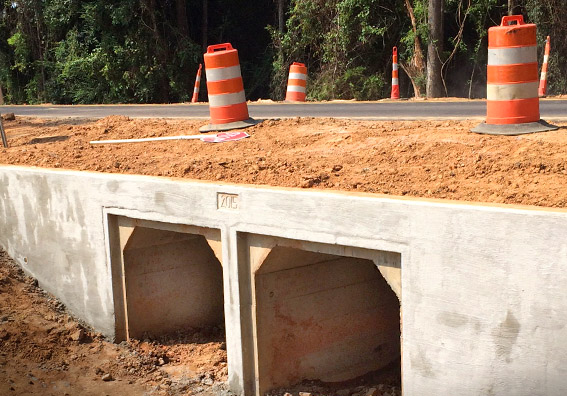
(436, 159)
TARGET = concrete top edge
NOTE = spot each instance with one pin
(234, 188)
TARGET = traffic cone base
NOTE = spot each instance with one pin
(514, 129)
(230, 125)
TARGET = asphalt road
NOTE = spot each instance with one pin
(550, 110)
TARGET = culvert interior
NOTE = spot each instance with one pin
(322, 317)
(172, 281)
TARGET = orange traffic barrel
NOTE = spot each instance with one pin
(227, 102)
(395, 79)
(296, 82)
(512, 101)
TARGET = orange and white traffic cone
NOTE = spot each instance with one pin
(512, 101)
(195, 98)
(395, 79)
(296, 82)
(543, 79)
(227, 102)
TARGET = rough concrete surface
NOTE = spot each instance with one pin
(482, 287)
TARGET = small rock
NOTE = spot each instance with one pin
(78, 335)
(4, 335)
(337, 168)
(287, 394)
(9, 117)
(207, 381)
(372, 392)
(307, 183)
(304, 394)
(107, 377)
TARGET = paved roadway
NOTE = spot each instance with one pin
(550, 110)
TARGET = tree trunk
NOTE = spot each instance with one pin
(161, 52)
(435, 49)
(415, 68)
(205, 24)
(182, 23)
(512, 7)
(281, 19)
(1, 96)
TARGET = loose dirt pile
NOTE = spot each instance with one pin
(435, 159)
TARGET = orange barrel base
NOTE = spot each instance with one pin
(229, 125)
(514, 129)
(229, 117)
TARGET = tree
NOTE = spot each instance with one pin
(205, 25)
(281, 15)
(435, 49)
(512, 4)
(415, 67)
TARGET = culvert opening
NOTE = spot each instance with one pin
(168, 297)
(324, 320)
(172, 284)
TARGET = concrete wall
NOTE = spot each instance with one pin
(172, 281)
(482, 287)
(322, 317)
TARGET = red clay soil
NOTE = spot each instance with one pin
(434, 159)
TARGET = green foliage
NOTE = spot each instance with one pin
(342, 44)
(140, 51)
(21, 51)
(549, 17)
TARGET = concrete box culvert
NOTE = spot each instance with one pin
(165, 279)
(321, 312)
(483, 300)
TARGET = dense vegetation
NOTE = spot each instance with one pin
(140, 51)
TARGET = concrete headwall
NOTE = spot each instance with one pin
(482, 287)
